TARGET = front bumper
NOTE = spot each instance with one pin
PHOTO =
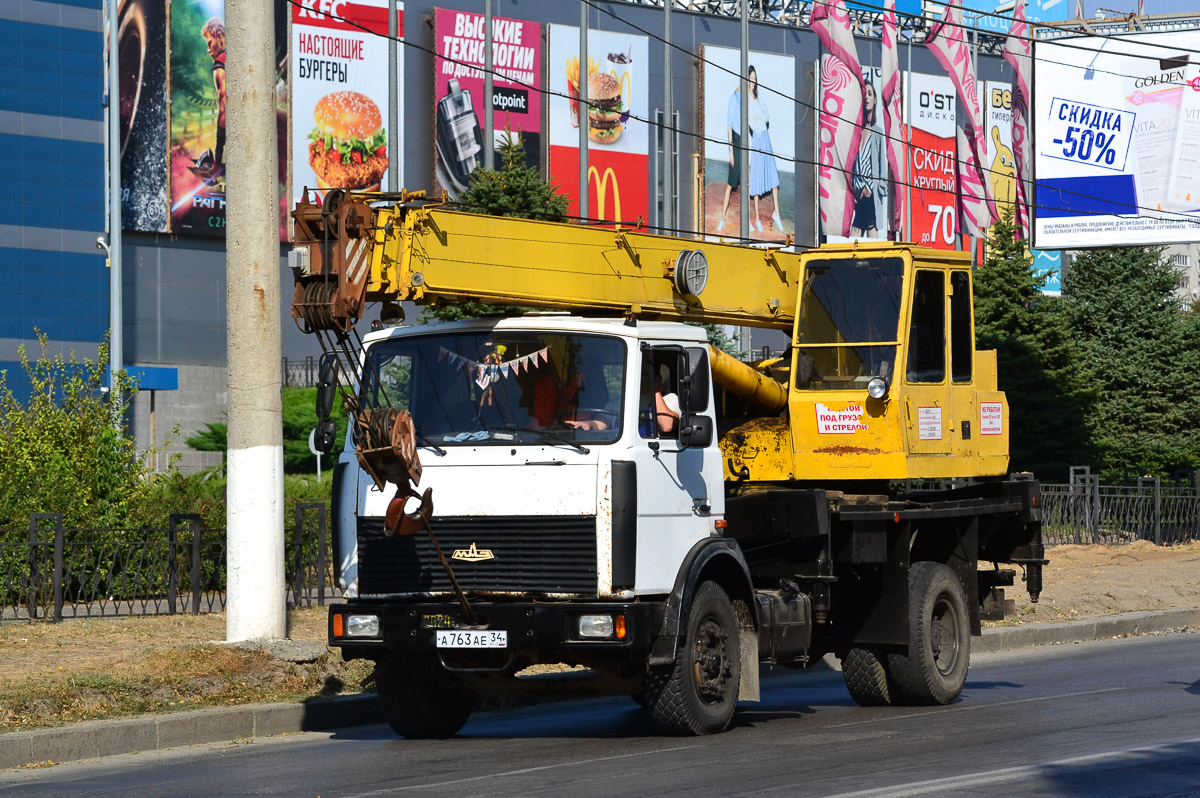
(536, 631)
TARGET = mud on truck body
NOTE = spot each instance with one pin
(510, 492)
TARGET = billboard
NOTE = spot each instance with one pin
(1117, 141)
(772, 89)
(339, 97)
(932, 124)
(619, 138)
(142, 53)
(197, 119)
(458, 92)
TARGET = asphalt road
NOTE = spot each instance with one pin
(1117, 717)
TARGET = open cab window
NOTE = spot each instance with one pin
(502, 386)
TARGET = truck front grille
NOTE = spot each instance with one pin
(529, 554)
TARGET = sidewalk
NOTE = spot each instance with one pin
(226, 724)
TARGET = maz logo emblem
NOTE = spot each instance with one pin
(473, 554)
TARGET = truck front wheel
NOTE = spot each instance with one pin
(698, 693)
(934, 669)
(416, 703)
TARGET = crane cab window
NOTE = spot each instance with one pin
(927, 329)
(962, 348)
(847, 322)
(658, 397)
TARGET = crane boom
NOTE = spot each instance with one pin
(416, 251)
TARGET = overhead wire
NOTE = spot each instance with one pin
(804, 104)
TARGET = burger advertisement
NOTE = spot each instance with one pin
(340, 96)
(458, 92)
(617, 76)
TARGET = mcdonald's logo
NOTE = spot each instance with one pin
(602, 190)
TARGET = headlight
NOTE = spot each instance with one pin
(877, 388)
(595, 626)
(362, 626)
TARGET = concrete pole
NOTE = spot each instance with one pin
(489, 133)
(668, 220)
(583, 106)
(116, 354)
(393, 103)
(744, 191)
(254, 514)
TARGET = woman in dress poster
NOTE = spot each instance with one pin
(869, 177)
(764, 176)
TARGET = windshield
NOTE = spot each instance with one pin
(502, 387)
(849, 315)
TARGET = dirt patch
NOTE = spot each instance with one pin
(1090, 581)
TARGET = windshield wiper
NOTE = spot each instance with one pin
(545, 433)
(421, 439)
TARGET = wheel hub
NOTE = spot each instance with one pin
(944, 641)
(711, 668)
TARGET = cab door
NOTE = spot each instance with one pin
(927, 405)
(963, 428)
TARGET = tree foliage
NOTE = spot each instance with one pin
(67, 448)
(1039, 366)
(514, 189)
(1141, 350)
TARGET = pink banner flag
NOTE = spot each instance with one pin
(893, 118)
(1018, 53)
(976, 215)
(841, 115)
(948, 44)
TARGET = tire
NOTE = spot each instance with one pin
(934, 669)
(698, 694)
(416, 704)
(866, 678)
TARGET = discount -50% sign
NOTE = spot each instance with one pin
(1087, 134)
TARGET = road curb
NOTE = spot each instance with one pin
(100, 738)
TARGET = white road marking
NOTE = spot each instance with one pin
(959, 783)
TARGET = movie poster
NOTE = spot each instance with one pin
(772, 143)
(142, 53)
(932, 133)
(197, 124)
(618, 72)
(458, 92)
(340, 97)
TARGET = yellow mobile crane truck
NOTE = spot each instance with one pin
(593, 484)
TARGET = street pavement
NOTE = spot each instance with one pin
(230, 724)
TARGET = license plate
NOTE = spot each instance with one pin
(457, 638)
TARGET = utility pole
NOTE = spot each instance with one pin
(254, 505)
(668, 221)
(489, 123)
(393, 130)
(583, 108)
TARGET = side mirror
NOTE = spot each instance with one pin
(695, 431)
(325, 435)
(327, 383)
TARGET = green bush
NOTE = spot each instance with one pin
(67, 449)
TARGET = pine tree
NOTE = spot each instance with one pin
(1039, 367)
(1141, 347)
(515, 189)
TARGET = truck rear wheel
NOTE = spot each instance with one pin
(939, 650)
(416, 703)
(697, 695)
(866, 678)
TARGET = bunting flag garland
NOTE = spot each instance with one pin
(949, 46)
(486, 373)
(841, 115)
(893, 119)
(1018, 53)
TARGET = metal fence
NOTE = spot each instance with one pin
(52, 572)
(300, 373)
(1087, 512)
